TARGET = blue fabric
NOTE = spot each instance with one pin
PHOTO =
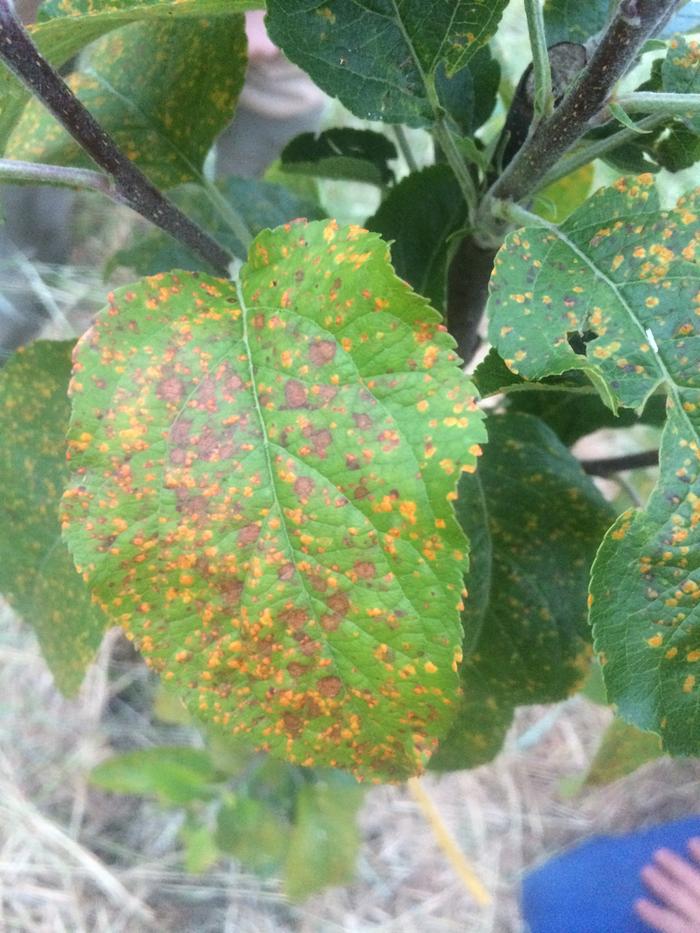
(592, 888)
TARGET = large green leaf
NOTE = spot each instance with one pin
(601, 292)
(419, 238)
(381, 59)
(261, 476)
(325, 840)
(259, 204)
(681, 74)
(37, 576)
(534, 520)
(645, 586)
(574, 21)
(63, 28)
(163, 89)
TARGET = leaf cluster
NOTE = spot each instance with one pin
(272, 481)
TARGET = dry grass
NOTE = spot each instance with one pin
(73, 859)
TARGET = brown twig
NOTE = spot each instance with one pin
(131, 187)
(634, 22)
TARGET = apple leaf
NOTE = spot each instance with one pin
(262, 475)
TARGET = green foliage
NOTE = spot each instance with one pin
(647, 571)
(681, 74)
(526, 635)
(622, 750)
(269, 816)
(258, 434)
(324, 841)
(172, 775)
(163, 89)
(263, 468)
(420, 240)
(355, 155)
(573, 21)
(36, 572)
(382, 60)
(259, 204)
(636, 283)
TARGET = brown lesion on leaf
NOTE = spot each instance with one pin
(295, 395)
(322, 352)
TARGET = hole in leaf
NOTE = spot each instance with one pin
(578, 340)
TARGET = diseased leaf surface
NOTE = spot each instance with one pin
(681, 74)
(380, 59)
(419, 237)
(645, 589)
(163, 89)
(534, 520)
(37, 576)
(342, 152)
(261, 476)
(584, 295)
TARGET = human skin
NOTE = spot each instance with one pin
(675, 883)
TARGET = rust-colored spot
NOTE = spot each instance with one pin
(295, 394)
(322, 352)
(304, 486)
(329, 686)
(339, 603)
(365, 570)
(249, 534)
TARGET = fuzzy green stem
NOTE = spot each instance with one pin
(446, 142)
(650, 102)
(405, 148)
(542, 71)
(15, 171)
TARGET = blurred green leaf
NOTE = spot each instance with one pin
(325, 840)
(175, 775)
(253, 833)
(419, 237)
(201, 850)
(623, 749)
(260, 204)
(37, 575)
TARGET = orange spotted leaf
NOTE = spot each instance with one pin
(64, 27)
(681, 73)
(261, 496)
(645, 590)
(164, 89)
(600, 293)
(37, 576)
